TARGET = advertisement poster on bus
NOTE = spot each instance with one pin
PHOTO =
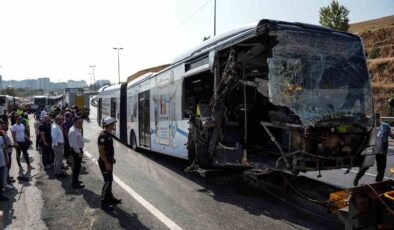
(162, 107)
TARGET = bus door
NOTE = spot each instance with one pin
(144, 119)
(99, 111)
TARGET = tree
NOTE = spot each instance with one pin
(335, 16)
(10, 91)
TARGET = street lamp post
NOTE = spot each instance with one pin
(91, 81)
(118, 49)
(94, 78)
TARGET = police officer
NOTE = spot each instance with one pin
(106, 162)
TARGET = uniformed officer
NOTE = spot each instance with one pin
(106, 162)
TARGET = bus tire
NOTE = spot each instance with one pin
(133, 141)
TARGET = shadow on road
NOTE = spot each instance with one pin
(126, 220)
(229, 187)
(7, 207)
(14, 195)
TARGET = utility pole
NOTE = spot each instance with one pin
(91, 81)
(214, 18)
(118, 49)
(94, 78)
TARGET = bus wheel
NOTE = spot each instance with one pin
(133, 141)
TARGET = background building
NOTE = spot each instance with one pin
(44, 83)
(76, 84)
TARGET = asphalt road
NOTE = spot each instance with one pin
(188, 200)
(158, 194)
(341, 178)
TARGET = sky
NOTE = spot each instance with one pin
(61, 39)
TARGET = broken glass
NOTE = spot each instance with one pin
(319, 76)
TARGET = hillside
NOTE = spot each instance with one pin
(378, 38)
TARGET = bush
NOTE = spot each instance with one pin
(374, 53)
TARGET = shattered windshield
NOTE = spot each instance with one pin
(319, 76)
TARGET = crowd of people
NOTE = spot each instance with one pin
(59, 136)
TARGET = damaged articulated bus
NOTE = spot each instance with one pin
(284, 96)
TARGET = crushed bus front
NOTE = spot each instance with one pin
(293, 97)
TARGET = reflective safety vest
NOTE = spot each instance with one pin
(19, 112)
(198, 112)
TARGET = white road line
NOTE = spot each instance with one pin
(152, 209)
(368, 174)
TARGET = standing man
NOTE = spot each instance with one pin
(58, 145)
(106, 162)
(46, 142)
(68, 123)
(9, 146)
(12, 117)
(42, 113)
(76, 148)
(20, 135)
(382, 131)
(37, 124)
(3, 162)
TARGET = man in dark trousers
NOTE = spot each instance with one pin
(106, 162)
(76, 149)
(46, 142)
(382, 132)
(68, 123)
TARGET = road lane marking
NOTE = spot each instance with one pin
(152, 209)
(368, 174)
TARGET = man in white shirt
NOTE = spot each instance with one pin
(58, 145)
(19, 134)
(76, 148)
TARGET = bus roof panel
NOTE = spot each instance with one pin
(214, 41)
(140, 78)
(111, 88)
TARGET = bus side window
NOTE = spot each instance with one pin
(198, 92)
